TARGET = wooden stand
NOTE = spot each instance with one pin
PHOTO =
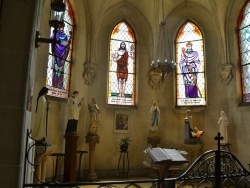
(165, 162)
(194, 151)
(153, 139)
(92, 139)
(70, 157)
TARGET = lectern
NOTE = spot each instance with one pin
(165, 161)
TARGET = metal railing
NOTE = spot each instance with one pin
(214, 168)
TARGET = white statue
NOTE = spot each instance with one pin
(223, 125)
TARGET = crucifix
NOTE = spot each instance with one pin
(217, 160)
(219, 138)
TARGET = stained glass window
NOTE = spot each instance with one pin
(244, 38)
(59, 63)
(121, 81)
(190, 69)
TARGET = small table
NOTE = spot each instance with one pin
(80, 161)
(58, 157)
(123, 164)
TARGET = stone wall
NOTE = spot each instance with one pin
(94, 22)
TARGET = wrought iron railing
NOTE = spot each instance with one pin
(202, 173)
(214, 168)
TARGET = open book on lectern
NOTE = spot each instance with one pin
(159, 155)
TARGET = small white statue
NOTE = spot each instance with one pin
(223, 125)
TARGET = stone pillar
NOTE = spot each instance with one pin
(70, 157)
(92, 139)
(19, 50)
(194, 151)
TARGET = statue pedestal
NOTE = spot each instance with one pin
(154, 140)
(92, 139)
(225, 146)
(194, 151)
(70, 157)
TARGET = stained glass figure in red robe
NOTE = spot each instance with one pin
(121, 57)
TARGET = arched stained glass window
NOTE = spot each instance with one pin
(121, 80)
(190, 69)
(244, 39)
(59, 63)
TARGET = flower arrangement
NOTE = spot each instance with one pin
(124, 141)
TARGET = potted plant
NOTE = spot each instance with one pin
(124, 141)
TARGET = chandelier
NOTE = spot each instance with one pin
(160, 62)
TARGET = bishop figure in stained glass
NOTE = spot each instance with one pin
(189, 65)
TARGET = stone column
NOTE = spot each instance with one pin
(70, 157)
(19, 50)
(92, 139)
